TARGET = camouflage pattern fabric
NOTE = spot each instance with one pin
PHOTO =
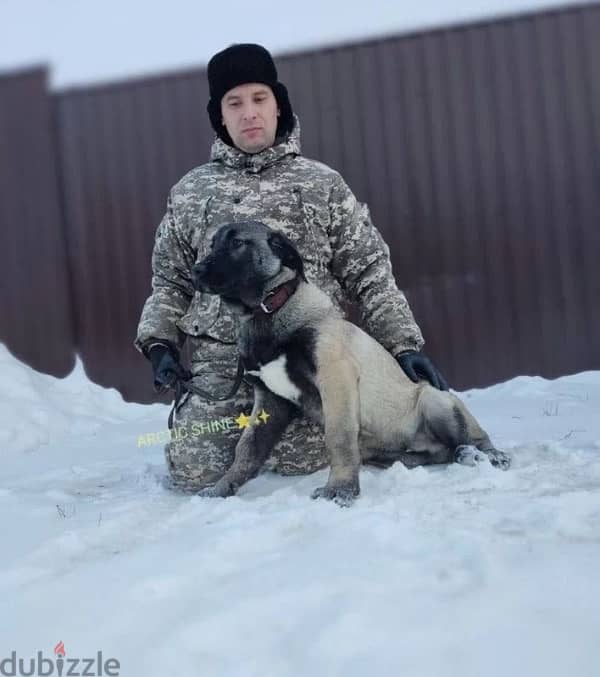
(344, 255)
(205, 434)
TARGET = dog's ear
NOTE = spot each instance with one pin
(287, 252)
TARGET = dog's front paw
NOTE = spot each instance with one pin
(221, 489)
(342, 494)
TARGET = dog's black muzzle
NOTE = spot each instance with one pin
(214, 275)
(208, 277)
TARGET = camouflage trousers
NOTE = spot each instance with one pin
(205, 434)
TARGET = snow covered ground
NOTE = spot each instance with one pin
(451, 571)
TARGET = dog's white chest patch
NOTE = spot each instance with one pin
(274, 376)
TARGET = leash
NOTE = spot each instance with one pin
(183, 386)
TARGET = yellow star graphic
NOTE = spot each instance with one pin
(242, 420)
(263, 416)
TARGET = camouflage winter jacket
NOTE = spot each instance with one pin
(344, 254)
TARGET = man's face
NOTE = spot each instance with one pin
(250, 116)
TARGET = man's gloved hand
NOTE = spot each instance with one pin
(418, 366)
(166, 366)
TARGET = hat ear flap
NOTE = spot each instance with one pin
(285, 123)
(216, 120)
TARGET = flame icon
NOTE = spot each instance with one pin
(59, 649)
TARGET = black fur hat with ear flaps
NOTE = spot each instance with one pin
(240, 65)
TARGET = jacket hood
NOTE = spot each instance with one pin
(256, 162)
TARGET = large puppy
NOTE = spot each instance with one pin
(304, 359)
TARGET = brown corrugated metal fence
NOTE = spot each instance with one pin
(35, 302)
(121, 149)
(476, 147)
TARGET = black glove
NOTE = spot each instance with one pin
(165, 363)
(418, 366)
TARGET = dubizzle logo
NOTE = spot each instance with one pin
(60, 665)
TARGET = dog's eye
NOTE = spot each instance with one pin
(236, 242)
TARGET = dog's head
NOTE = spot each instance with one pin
(246, 260)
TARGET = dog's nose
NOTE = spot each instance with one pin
(199, 271)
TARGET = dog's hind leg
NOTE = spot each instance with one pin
(450, 422)
(475, 436)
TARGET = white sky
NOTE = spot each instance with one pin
(102, 40)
